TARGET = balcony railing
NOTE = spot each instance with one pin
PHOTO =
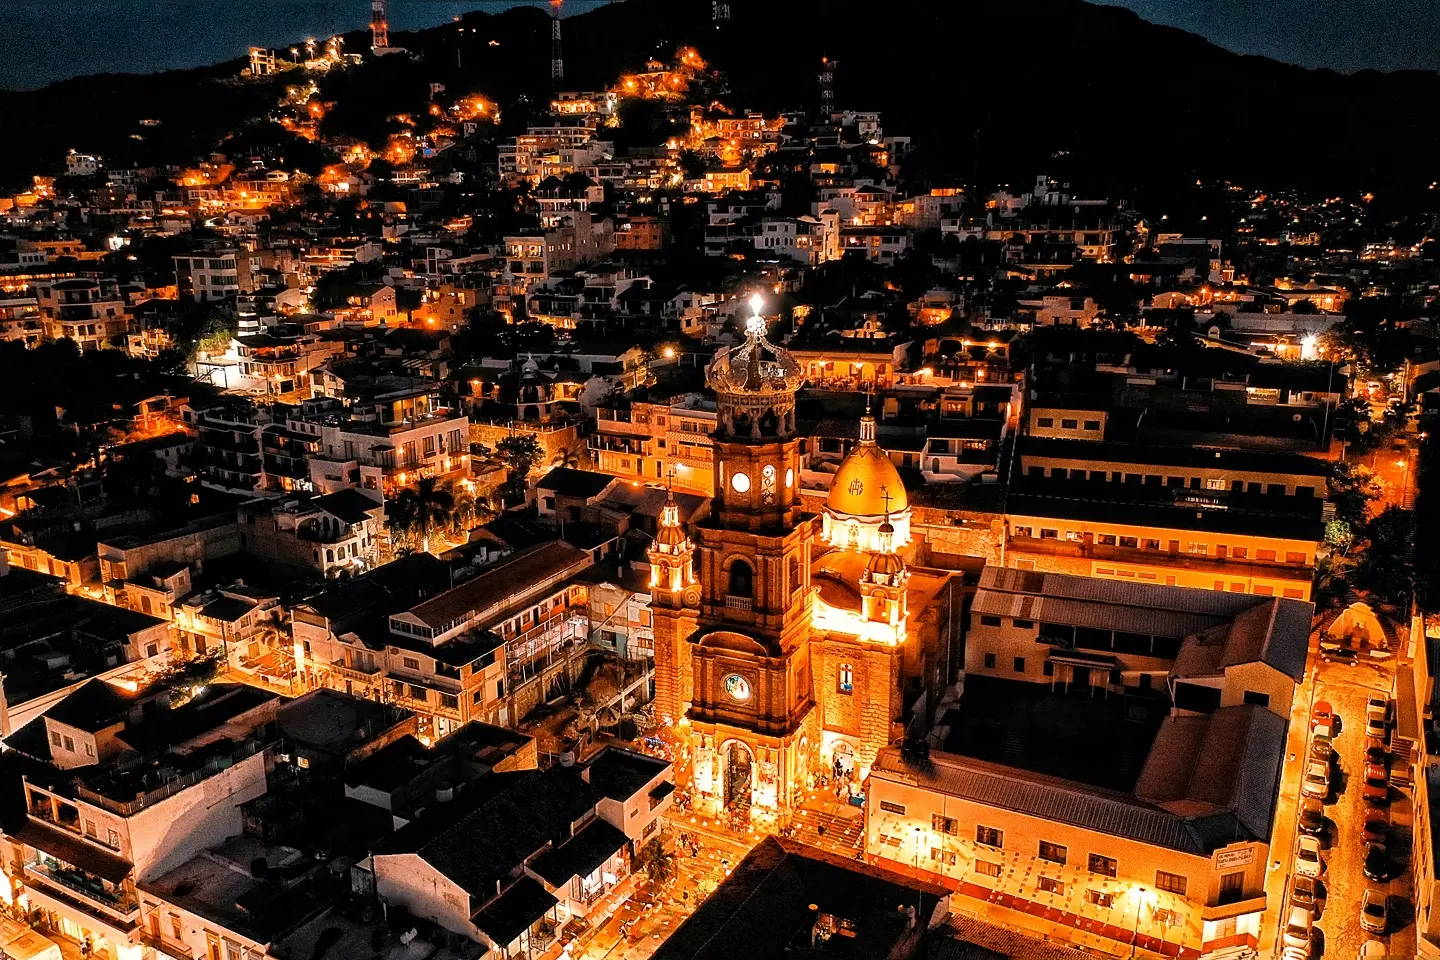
(120, 902)
(127, 808)
(168, 947)
(739, 603)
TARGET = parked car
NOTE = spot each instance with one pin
(1295, 953)
(1376, 788)
(1374, 912)
(1377, 717)
(1316, 782)
(1374, 950)
(1299, 928)
(1376, 827)
(1377, 862)
(1305, 892)
(1321, 713)
(1312, 816)
(1375, 751)
(1308, 862)
(1322, 749)
(1337, 653)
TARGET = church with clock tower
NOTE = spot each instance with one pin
(783, 642)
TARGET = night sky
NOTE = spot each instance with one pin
(54, 39)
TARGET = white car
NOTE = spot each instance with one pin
(1308, 862)
(1374, 911)
(1374, 950)
(1316, 782)
(1377, 717)
(1299, 928)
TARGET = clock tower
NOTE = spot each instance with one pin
(734, 669)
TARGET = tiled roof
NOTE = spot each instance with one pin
(1064, 801)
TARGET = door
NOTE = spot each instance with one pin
(1080, 678)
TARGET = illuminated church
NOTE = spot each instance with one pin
(790, 645)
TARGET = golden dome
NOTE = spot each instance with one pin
(860, 486)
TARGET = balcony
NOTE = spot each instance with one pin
(739, 603)
(82, 890)
(167, 947)
(355, 672)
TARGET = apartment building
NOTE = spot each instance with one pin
(227, 450)
(336, 534)
(567, 241)
(90, 312)
(139, 788)
(214, 276)
(1210, 519)
(657, 441)
(488, 648)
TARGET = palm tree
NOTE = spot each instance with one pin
(658, 863)
(419, 511)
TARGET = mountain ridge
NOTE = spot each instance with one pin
(987, 90)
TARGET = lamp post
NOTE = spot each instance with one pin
(1135, 935)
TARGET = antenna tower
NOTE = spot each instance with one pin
(379, 26)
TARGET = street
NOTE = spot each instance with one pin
(1346, 688)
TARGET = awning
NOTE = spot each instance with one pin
(1076, 659)
(523, 904)
(662, 791)
(63, 845)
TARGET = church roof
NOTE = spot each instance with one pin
(865, 476)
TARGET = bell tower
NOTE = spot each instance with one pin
(741, 671)
(674, 598)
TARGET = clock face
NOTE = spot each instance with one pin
(789, 478)
(737, 687)
(739, 482)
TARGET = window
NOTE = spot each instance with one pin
(1092, 424)
(1211, 483)
(1168, 918)
(1045, 422)
(987, 869)
(1106, 539)
(1047, 668)
(1049, 533)
(988, 621)
(1105, 866)
(846, 682)
(1198, 549)
(990, 837)
(90, 830)
(889, 807)
(742, 580)
(55, 738)
(1291, 593)
(1292, 556)
(478, 696)
(1069, 424)
(1024, 532)
(939, 855)
(112, 839)
(1264, 554)
(1171, 882)
(989, 661)
(1232, 886)
(1019, 664)
(1023, 624)
(1054, 852)
(1257, 698)
(410, 663)
(1050, 885)
(1099, 898)
(943, 824)
(69, 745)
(449, 701)
(1129, 542)
(1239, 553)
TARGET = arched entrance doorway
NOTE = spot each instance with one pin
(843, 765)
(737, 764)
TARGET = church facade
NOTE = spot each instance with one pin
(790, 646)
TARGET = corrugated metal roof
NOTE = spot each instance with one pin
(1064, 801)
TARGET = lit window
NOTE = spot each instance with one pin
(847, 678)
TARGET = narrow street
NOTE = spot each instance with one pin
(1346, 687)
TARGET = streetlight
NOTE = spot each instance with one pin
(1139, 902)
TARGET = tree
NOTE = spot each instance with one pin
(518, 452)
(1384, 569)
(1352, 489)
(657, 862)
(419, 511)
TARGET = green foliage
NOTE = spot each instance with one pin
(418, 512)
(1384, 569)
(1339, 536)
(658, 863)
(1352, 489)
(519, 454)
(188, 678)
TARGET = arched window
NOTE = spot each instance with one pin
(742, 580)
(846, 679)
(329, 556)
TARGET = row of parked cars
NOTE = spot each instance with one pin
(1307, 890)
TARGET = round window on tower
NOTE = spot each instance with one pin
(737, 687)
(789, 478)
(739, 482)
